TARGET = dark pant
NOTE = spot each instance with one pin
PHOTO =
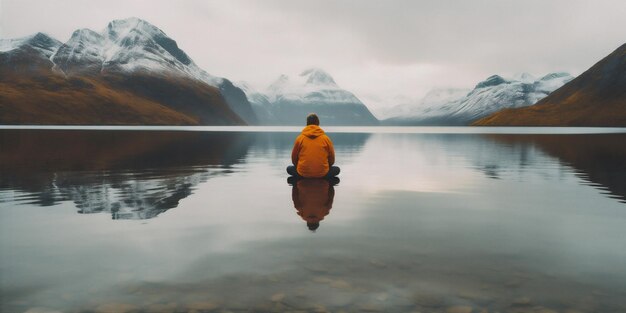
(332, 172)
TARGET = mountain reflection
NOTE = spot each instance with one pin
(599, 159)
(313, 199)
(131, 174)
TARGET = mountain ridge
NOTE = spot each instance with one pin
(288, 100)
(488, 96)
(597, 97)
(131, 51)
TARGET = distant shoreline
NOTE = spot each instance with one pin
(340, 129)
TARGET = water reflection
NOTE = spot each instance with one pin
(132, 175)
(598, 159)
(421, 224)
(313, 199)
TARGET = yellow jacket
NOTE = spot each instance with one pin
(313, 152)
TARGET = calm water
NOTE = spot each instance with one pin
(428, 220)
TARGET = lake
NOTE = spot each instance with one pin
(435, 219)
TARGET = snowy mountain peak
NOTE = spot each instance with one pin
(82, 53)
(127, 45)
(86, 33)
(43, 41)
(39, 41)
(316, 76)
(122, 28)
(310, 80)
(289, 99)
(493, 80)
(87, 38)
(132, 32)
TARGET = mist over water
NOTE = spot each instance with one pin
(206, 220)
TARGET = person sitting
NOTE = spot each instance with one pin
(313, 154)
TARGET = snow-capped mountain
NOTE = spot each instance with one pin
(40, 42)
(489, 96)
(27, 54)
(597, 98)
(260, 104)
(290, 99)
(134, 45)
(311, 86)
(130, 47)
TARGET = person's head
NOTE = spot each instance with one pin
(313, 225)
(312, 119)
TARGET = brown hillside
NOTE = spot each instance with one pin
(52, 99)
(595, 98)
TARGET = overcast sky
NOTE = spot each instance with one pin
(377, 49)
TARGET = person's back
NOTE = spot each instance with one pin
(313, 153)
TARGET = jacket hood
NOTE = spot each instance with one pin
(312, 131)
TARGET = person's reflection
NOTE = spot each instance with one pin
(313, 198)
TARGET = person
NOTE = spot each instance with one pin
(313, 154)
(313, 199)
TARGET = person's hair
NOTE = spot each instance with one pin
(312, 119)
(313, 225)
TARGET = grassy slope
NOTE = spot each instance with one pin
(53, 99)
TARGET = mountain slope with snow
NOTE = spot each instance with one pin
(260, 103)
(435, 98)
(596, 98)
(29, 54)
(289, 99)
(130, 56)
(489, 96)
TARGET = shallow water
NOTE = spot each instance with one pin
(423, 219)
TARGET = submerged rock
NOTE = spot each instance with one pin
(116, 308)
(322, 280)
(431, 301)
(162, 308)
(340, 284)
(42, 310)
(378, 264)
(382, 297)
(370, 307)
(339, 299)
(278, 297)
(459, 309)
(206, 305)
(522, 301)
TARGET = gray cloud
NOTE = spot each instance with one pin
(377, 49)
